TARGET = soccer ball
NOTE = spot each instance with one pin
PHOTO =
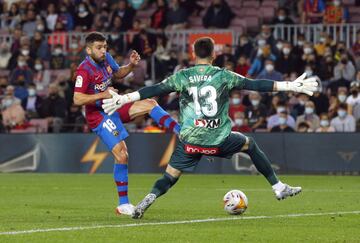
(235, 202)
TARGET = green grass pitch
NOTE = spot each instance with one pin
(48, 201)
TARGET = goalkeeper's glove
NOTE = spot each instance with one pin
(300, 85)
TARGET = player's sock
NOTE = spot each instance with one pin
(121, 181)
(261, 162)
(163, 118)
(163, 184)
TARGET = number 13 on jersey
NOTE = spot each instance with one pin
(208, 93)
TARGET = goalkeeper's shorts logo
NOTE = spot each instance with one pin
(192, 149)
(207, 123)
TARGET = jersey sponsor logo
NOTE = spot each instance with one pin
(199, 78)
(192, 149)
(78, 82)
(103, 85)
(207, 123)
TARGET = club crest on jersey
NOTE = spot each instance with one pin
(207, 123)
(115, 133)
(103, 85)
(109, 70)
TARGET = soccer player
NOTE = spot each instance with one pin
(92, 85)
(205, 125)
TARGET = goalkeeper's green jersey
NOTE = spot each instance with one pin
(204, 102)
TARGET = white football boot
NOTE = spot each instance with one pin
(287, 191)
(125, 209)
(143, 205)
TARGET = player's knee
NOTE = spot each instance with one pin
(151, 103)
(250, 143)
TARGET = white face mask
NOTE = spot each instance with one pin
(308, 50)
(259, 52)
(300, 43)
(341, 113)
(309, 110)
(282, 120)
(261, 42)
(25, 52)
(280, 109)
(322, 40)
(74, 46)
(279, 46)
(235, 101)
(281, 17)
(38, 67)
(57, 51)
(337, 3)
(255, 102)
(269, 67)
(239, 122)
(342, 98)
(32, 92)
(324, 123)
(286, 51)
(21, 63)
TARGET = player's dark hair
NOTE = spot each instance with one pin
(204, 47)
(94, 36)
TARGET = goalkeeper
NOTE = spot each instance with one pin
(205, 125)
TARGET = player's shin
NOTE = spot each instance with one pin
(163, 118)
(121, 181)
(163, 184)
(261, 162)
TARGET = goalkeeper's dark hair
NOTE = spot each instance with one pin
(94, 36)
(204, 47)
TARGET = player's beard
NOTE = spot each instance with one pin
(98, 59)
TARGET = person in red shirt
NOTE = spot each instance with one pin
(242, 67)
(235, 103)
(240, 124)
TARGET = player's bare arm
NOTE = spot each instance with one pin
(126, 69)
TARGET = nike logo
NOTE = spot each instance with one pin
(97, 78)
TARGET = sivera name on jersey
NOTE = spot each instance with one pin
(103, 85)
(207, 123)
(199, 78)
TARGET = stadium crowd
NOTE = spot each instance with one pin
(36, 71)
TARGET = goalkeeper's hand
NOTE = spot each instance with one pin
(110, 105)
(301, 85)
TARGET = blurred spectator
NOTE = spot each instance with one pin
(32, 103)
(321, 102)
(41, 78)
(3, 84)
(229, 66)
(5, 55)
(309, 117)
(235, 104)
(225, 56)
(176, 16)
(218, 15)
(74, 54)
(117, 25)
(275, 120)
(66, 18)
(299, 108)
(162, 56)
(13, 16)
(83, 16)
(353, 101)
(245, 47)
(266, 34)
(304, 127)
(9, 98)
(326, 68)
(40, 47)
(313, 11)
(51, 17)
(16, 40)
(242, 67)
(282, 17)
(282, 123)
(193, 7)
(58, 58)
(286, 63)
(240, 123)
(27, 54)
(74, 120)
(343, 122)
(336, 13)
(269, 72)
(256, 112)
(143, 44)
(13, 116)
(345, 69)
(125, 12)
(21, 72)
(325, 124)
(324, 42)
(158, 18)
(356, 50)
(29, 25)
(257, 66)
(53, 108)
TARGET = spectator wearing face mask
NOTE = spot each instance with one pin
(343, 122)
(353, 100)
(299, 108)
(312, 11)
(5, 55)
(244, 48)
(22, 70)
(239, 124)
(286, 63)
(176, 16)
(266, 34)
(51, 16)
(275, 120)
(125, 12)
(66, 18)
(325, 124)
(225, 56)
(322, 44)
(258, 65)
(309, 117)
(9, 98)
(29, 25)
(58, 58)
(269, 72)
(40, 47)
(282, 125)
(242, 67)
(345, 69)
(235, 104)
(256, 112)
(321, 102)
(33, 102)
(336, 13)
(84, 16)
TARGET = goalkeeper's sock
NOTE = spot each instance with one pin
(163, 184)
(261, 162)
(163, 118)
(121, 181)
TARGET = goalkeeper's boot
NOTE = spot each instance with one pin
(125, 209)
(287, 191)
(143, 205)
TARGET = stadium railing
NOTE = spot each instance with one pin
(312, 32)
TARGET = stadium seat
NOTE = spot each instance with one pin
(40, 125)
(268, 3)
(252, 22)
(239, 22)
(267, 13)
(251, 4)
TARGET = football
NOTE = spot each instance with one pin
(235, 202)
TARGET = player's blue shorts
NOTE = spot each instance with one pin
(111, 130)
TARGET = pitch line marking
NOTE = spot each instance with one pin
(175, 222)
